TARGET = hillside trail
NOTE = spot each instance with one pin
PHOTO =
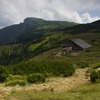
(58, 84)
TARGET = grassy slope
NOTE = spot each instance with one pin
(49, 45)
(80, 57)
(52, 42)
(89, 92)
(82, 93)
(9, 47)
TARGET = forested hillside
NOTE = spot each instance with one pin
(37, 36)
(39, 48)
(30, 29)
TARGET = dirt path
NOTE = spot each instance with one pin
(57, 84)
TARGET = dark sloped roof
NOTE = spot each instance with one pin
(81, 43)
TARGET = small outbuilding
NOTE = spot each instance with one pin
(75, 45)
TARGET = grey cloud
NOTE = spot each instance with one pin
(4, 22)
(14, 11)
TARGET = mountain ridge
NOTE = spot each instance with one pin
(30, 26)
(46, 36)
(33, 28)
(83, 28)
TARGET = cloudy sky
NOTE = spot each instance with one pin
(80, 11)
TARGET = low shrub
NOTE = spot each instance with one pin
(3, 74)
(16, 77)
(48, 75)
(96, 65)
(14, 80)
(35, 78)
(47, 68)
(83, 64)
(98, 72)
(18, 82)
(66, 69)
(95, 76)
(58, 68)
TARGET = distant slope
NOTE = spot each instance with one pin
(39, 37)
(53, 40)
(84, 28)
(30, 29)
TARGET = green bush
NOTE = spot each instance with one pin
(3, 74)
(13, 80)
(16, 82)
(94, 76)
(47, 68)
(48, 75)
(16, 77)
(96, 65)
(83, 64)
(34, 78)
(66, 69)
(98, 72)
(57, 68)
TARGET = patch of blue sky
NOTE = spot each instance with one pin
(93, 13)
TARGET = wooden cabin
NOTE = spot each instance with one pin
(75, 45)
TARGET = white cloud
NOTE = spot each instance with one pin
(86, 18)
(14, 11)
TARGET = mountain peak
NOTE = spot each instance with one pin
(33, 21)
(30, 19)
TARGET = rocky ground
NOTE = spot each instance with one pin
(58, 84)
